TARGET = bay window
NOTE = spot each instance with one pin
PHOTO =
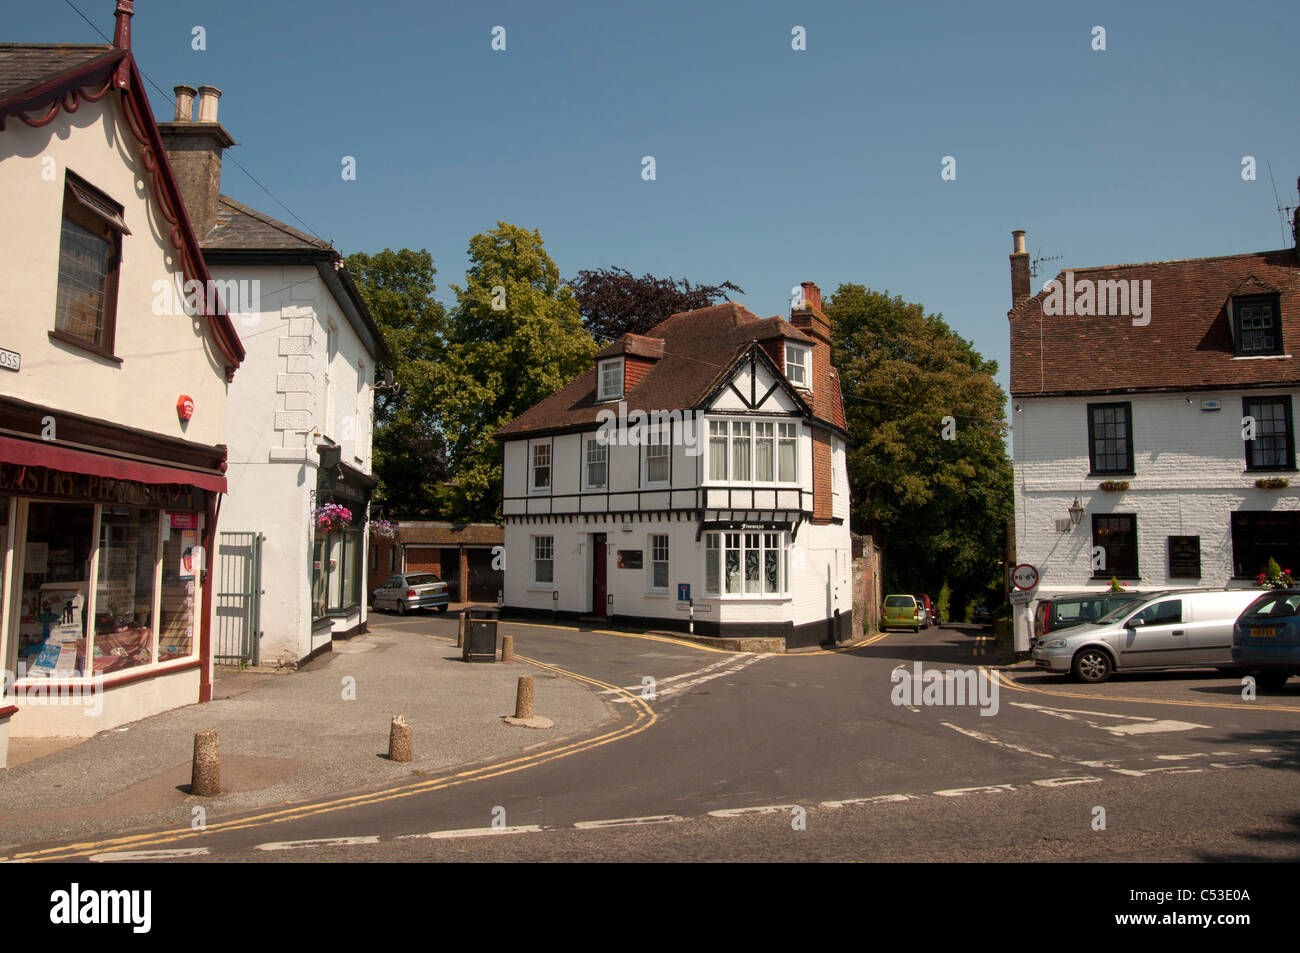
(744, 451)
(746, 564)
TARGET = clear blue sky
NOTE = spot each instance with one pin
(773, 166)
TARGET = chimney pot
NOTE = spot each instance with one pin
(208, 96)
(184, 103)
(1019, 268)
(812, 295)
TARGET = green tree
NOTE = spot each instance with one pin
(927, 460)
(410, 457)
(514, 338)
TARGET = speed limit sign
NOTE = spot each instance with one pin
(1025, 576)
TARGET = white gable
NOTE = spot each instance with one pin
(753, 387)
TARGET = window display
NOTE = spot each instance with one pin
(128, 566)
(55, 587)
(176, 607)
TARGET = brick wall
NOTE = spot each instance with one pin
(823, 504)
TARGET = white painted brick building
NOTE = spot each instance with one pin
(1144, 426)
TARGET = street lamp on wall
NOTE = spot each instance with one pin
(1076, 512)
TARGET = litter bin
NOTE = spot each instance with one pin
(481, 635)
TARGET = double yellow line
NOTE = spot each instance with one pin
(1007, 682)
(645, 717)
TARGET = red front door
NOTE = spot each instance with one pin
(599, 568)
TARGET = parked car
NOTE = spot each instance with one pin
(413, 590)
(930, 617)
(982, 616)
(1067, 609)
(1266, 638)
(901, 612)
(1179, 628)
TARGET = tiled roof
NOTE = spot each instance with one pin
(28, 65)
(451, 534)
(244, 228)
(1186, 345)
(699, 347)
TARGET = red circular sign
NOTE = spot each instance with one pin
(1024, 576)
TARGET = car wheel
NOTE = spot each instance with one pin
(1271, 680)
(1092, 665)
(401, 607)
(442, 608)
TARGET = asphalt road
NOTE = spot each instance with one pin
(717, 756)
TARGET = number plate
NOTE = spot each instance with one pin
(1266, 633)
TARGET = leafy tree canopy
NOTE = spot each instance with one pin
(514, 338)
(613, 302)
(927, 460)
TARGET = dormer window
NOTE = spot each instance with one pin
(798, 364)
(609, 376)
(1257, 325)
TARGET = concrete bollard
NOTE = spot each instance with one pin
(524, 697)
(460, 630)
(205, 776)
(507, 648)
(399, 740)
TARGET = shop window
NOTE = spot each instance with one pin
(55, 588)
(176, 608)
(90, 248)
(124, 588)
(746, 564)
(336, 573)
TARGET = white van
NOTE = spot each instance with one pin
(1178, 628)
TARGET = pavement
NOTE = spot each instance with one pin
(291, 737)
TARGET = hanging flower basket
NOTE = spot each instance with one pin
(1272, 483)
(332, 517)
(383, 528)
(1113, 486)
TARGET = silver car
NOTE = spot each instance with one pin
(413, 590)
(1180, 628)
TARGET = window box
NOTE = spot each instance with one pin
(1272, 483)
(1113, 486)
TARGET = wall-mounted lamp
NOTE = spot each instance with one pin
(1076, 512)
(1017, 408)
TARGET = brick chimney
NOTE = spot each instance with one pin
(194, 150)
(1019, 268)
(809, 318)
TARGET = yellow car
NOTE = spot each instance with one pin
(903, 612)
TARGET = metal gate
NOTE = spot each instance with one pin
(239, 598)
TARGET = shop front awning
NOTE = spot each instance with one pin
(31, 453)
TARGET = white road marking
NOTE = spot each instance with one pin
(673, 678)
(989, 739)
(316, 842)
(744, 662)
(1066, 782)
(1263, 750)
(473, 832)
(1181, 757)
(983, 789)
(1142, 774)
(1257, 763)
(629, 821)
(878, 799)
(1139, 724)
(129, 855)
(766, 809)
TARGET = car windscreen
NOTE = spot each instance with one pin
(422, 579)
(1283, 603)
(896, 602)
(1118, 612)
